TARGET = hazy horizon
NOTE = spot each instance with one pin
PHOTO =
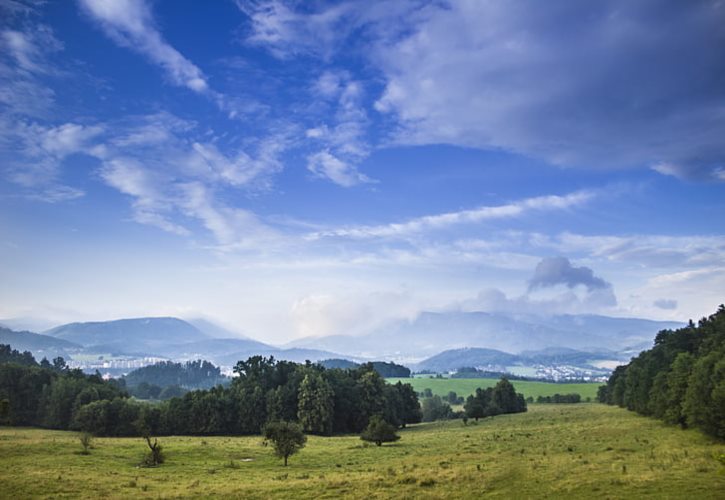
(291, 169)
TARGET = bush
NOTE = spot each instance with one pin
(86, 440)
(379, 431)
(155, 456)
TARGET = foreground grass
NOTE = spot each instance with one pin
(579, 451)
(465, 386)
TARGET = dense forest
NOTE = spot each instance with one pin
(321, 401)
(681, 380)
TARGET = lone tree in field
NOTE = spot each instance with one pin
(155, 456)
(379, 431)
(86, 440)
(286, 437)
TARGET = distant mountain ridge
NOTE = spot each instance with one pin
(40, 345)
(141, 334)
(174, 338)
(494, 360)
(431, 333)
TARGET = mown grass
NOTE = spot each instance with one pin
(465, 386)
(553, 451)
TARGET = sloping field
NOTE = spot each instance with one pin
(554, 451)
(465, 386)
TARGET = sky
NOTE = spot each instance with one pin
(291, 168)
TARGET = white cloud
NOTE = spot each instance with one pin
(439, 221)
(151, 205)
(130, 24)
(40, 151)
(575, 85)
(24, 59)
(174, 178)
(651, 251)
(57, 193)
(241, 169)
(350, 313)
(233, 228)
(696, 293)
(68, 138)
(30, 49)
(322, 30)
(553, 271)
(344, 138)
(326, 165)
(285, 32)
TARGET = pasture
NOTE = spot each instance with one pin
(554, 451)
(465, 386)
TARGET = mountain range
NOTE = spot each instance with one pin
(436, 341)
(431, 333)
(494, 360)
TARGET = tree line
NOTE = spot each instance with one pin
(560, 398)
(497, 400)
(681, 380)
(502, 398)
(265, 390)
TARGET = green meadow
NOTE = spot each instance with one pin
(553, 451)
(465, 386)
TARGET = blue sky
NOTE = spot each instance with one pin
(310, 168)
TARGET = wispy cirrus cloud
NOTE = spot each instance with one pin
(131, 25)
(36, 153)
(174, 175)
(25, 65)
(648, 250)
(480, 214)
(344, 139)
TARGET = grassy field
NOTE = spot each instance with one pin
(466, 386)
(554, 451)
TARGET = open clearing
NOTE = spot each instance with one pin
(465, 386)
(579, 451)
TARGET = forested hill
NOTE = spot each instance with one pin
(384, 368)
(190, 375)
(681, 380)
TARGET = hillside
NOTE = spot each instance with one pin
(454, 359)
(552, 451)
(129, 335)
(40, 345)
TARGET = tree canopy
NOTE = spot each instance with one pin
(266, 390)
(681, 380)
(287, 438)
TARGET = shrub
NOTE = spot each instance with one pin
(379, 431)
